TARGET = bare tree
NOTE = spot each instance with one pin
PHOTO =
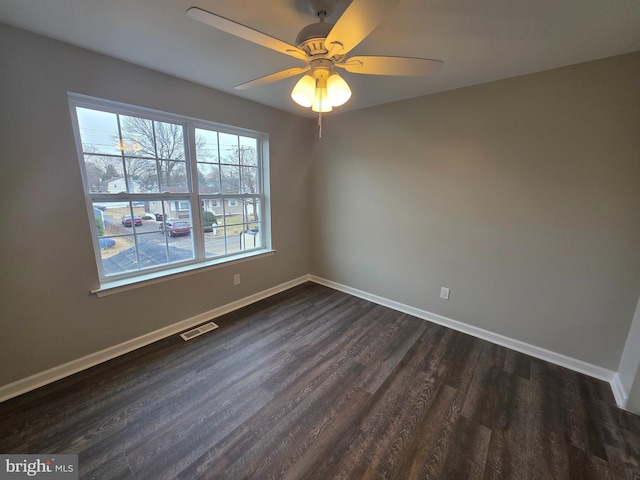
(146, 139)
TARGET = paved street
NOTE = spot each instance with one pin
(154, 248)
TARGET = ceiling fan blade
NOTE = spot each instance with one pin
(358, 21)
(246, 33)
(274, 77)
(397, 66)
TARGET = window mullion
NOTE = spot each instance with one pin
(122, 157)
(219, 163)
(194, 196)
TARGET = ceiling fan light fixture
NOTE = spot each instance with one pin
(304, 91)
(321, 101)
(323, 46)
(338, 90)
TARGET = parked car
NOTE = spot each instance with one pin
(126, 220)
(175, 228)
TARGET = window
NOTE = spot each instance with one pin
(165, 191)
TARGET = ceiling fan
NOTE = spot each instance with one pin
(324, 47)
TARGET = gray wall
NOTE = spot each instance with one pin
(522, 196)
(47, 316)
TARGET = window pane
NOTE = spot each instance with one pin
(213, 231)
(229, 148)
(232, 211)
(152, 250)
(206, 145)
(209, 218)
(116, 223)
(122, 262)
(208, 178)
(230, 179)
(173, 177)
(142, 175)
(233, 239)
(251, 207)
(169, 141)
(104, 173)
(248, 151)
(106, 223)
(137, 137)
(211, 221)
(249, 180)
(98, 131)
(251, 237)
(176, 230)
(213, 244)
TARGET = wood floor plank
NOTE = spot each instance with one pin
(550, 414)
(622, 472)
(581, 425)
(399, 408)
(461, 357)
(584, 466)
(468, 454)
(328, 439)
(491, 389)
(518, 364)
(273, 449)
(313, 383)
(336, 453)
(434, 443)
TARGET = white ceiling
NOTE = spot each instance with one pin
(479, 40)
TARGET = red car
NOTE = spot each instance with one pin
(126, 220)
(175, 228)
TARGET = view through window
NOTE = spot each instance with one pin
(163, 190)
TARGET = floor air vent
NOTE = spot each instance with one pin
(207, 327)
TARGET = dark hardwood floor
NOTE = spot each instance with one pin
(315, 384)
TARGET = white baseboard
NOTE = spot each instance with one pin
(526, 348)
(56, 373)
(619, 391)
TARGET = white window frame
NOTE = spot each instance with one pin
(112, 283)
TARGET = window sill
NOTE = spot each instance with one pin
(117, 286)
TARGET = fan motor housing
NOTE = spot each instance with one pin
(311, 38)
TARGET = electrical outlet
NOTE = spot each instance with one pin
(444, 293)
(236, 279)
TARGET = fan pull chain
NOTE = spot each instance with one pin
(320, 125)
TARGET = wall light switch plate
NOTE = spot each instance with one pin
(236, 279)
(444, 293)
